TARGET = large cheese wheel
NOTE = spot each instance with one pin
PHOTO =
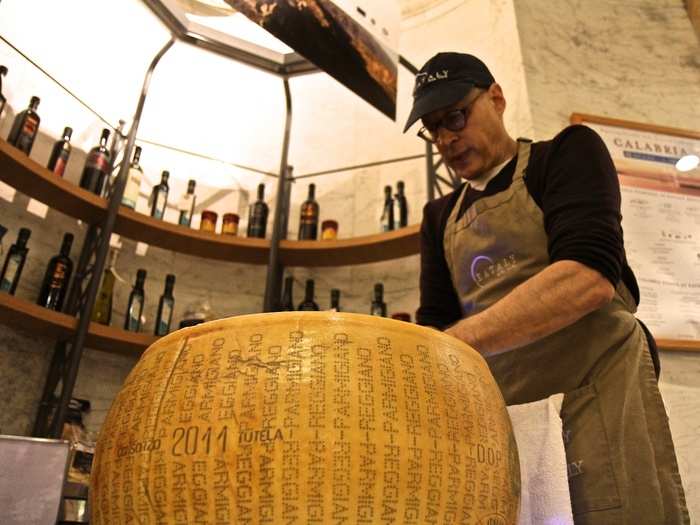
(307, 418)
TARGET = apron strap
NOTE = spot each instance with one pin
(520, 168)
(523, 158)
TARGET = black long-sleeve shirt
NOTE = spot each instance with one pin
(573, 180)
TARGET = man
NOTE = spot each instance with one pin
(526, 263)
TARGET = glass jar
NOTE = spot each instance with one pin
(229, 226)
(329, 230)
(208, 222)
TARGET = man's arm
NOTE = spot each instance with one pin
(556, 297)
(439, 304)
(579, 194)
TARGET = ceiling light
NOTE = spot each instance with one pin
(688, 163)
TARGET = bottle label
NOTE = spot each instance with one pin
(256, 227)
(59, 276)
(10, 273)
(131, 192)
(160, 205)
(134, 317)
(61, 162)
(385, 220)
(185, 219)
(164, 321)
(308, 224)
(98, 161)
(25, 139)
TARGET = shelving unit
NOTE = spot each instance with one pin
(358, 250)
(36, 319)
(34, 180)
(31, 178)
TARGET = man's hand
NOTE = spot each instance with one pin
(558, 296)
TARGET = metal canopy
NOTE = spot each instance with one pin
(180, 18)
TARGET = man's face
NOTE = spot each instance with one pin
(473, 150)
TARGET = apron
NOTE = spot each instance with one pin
(621, 462)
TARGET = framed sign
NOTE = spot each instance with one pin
(661, 223)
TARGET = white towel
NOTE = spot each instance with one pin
(545, 496)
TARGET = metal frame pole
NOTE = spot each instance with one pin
(273, 281)
(100, 257)
(430, 171)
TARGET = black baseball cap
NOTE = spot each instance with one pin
(444, 80)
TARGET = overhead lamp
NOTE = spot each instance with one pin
(688, 163)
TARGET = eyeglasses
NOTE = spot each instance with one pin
(454, 120)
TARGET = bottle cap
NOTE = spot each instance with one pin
(24, 234)
(137, 152)
(105, 134)
(165, 175)
(379, 288)
(400, 185)
(329, 224)
(335, 293)
(231, 217)
(387, 190)
(140, 274)
(191, 184)
(67, 132)
(170, 279)
(68, 238)
(34, 102)
(402, 316)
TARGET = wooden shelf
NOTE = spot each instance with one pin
(30, 317)
(358, 250)
(181, 239)
(681, 345)
(34, 180)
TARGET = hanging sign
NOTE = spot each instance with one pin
(354, 46)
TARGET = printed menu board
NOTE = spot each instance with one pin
(662, 240)
(661, 221)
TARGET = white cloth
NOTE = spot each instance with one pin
(545, 498)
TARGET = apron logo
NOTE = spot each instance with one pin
(484, 268)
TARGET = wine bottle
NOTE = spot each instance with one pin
(287, 304)
(159, 196)
(133, 181)
(308, 304)
(378, 307)
(132, 321)
(186, 205)
(97, 166)
(102, 312)
(25, 127)
(60, 153)
(14, 262)
(3, 100)
(257, 217)
(165, 307)
(401, 215)
(57, 276)
(308, 223)
(387, 219)
(335, 300)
